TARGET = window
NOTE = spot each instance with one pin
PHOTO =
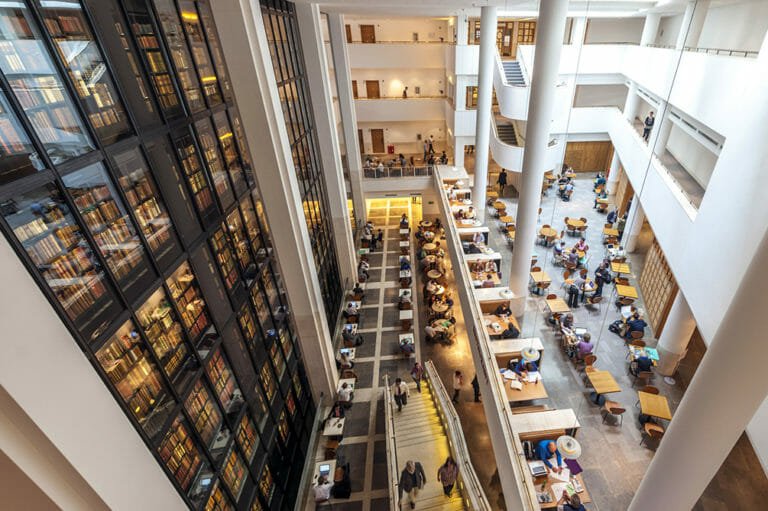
(246, 437)
(18, 158)
(189, 301)
(214, 161)
(194, 30)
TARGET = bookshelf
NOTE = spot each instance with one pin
(206, 17)
(213, 161)
(218, 501)
(177, 47)
(234, 474)
(266, 484)
(285, 342)
(247, 323)
(107, 220)
(204, 412)
(260, 305)
(247, 437)
(242, 145)
(189, 301)
(290, 404)
(221, 376)
(297, 385)
(130, 369)
(196, 39)
(180, 454)
(252, 228)
(231, 159)
(17, 156)
(149, 210)
(282, 426)
(224, 257)
(85, 64)
(240, 242)
(193, 170)
(163, 330)
(278, 362)
(267, 382)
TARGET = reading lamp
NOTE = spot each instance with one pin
(530, 354)
(569, 447)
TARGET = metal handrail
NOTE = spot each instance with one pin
(469, 484)
(398, 172)
(710, 51)
(391, 447)
(403, 42)
(400, 97)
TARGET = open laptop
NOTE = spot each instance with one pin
(325, 470)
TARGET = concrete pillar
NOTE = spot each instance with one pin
(462, 29)
(632, 103)
(633, 226)
(714, 410)
(578, 31)
(316, 66)
(650, 29)
(488, 21)
(549, 41)
(693, 22)
(613, 174)
(458, 153)
(675, 337)
(253, 82)
(343, 77)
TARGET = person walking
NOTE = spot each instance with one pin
(417, 373)
(648, 126)
(476, 388)
(502, 181)
(412, 479)
(431, 144)
(458, 383)
(401, 393)
(447, 475)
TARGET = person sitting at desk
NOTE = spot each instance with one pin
(602, 276)
(503, 310)
(478, 238)
(439, 252)
(351, 340)
(322, 491)
(405, 300)
(448, 300)
(358, 291)
(432, 286)
(433, 333)
(452, 194)
(488, 282)
(545, 449)
(470, 214)
(523, 367)
(573, 256)
(345, 395)
(602, 195)
(584, 347)
(459, 214)
(611, 218)
(635, 324)
(404, 221)
(582, 245)
(567, 321)
(405, 264)
(559, 249)
(351, 311)
(438, 224)
(344, 361)
(599, 180)
(511, 332)
(572, 503)
(641, 363)
(489, 267)
(473, 249)
(337, 411)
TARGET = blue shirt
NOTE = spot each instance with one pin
(520, 367)
(542, 451)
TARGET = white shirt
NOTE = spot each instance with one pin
(478, 238)
(403, 389)
(457, 382)
(345, 394)
(322, 491)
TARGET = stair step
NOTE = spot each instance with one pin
(440, 502)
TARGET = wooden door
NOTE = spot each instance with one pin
(372, 89)
(504, 39)
(525, 33)
(377, 140)
(360, 141)
(589, 156)
(368, 33)
(658, 287)
(348, 29)
(354, 89)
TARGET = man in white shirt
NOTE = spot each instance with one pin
(323, 490)
(401, 393)
(345, 395)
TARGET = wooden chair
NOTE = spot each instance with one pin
(620, 260)
(644, 377)
(588, 361)
(648, 389)
(636, 335)
(330, 449)
(594, 300)
(542, 286)
(623, 302)
(613, 408)
(602, 208)
(583, 273)
(621, 281)
(608, 226)
(651, 431)
(637, 343)
(551, 296)
(571, 266)
(535, 269)
(566, 274)
(582, 231)
(583, 219)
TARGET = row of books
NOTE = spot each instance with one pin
(98, 216)
(234, 473)
(60, 25)
(65, 124)
(78, 298)
(105, 118)
(203, 412)
(38, 90)
(87, 197)
(221, 377)
(180, 454)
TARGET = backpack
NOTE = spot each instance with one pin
(529, 450)
(615, 327)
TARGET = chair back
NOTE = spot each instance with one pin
(616, 410)
(584, 273)
(636, 335)
(545, 226)
(566, 220)
(608, 226)
(622, 281)
(590, 359)
(645, 375)
(551, 297)
(654, 430)
(536, 268)
(543, 285)
(650, 389)
(595, 299)
(637, 343)
(566, 274)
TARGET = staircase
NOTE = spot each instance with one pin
(421, 437)
(506, 132)
(513, 73)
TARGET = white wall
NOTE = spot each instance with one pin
(392, 81)
(403, 134)
(694, 157)
(400, 110)
(397, 56)
(739, 26)
(614, 30)
(402, 29)
(669, 27)
(600, 95)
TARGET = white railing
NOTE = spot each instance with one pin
(398, 172)
(391, 447)
(469, 484)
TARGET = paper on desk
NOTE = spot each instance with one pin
(533, 376)
(563, 476)
(509, 375)
(515, 385)
(558, 488)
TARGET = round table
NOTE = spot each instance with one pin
(506, 219)
(425, 224)
(430, 247)
(575, 223)
(548, 232)
(434, 274)
(499, 206)
(440, 307)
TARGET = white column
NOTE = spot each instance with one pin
(678, 329)
(650, 29)
(255, 88)
(693, 22)
(462, 29)
(488, 22)
(458, 152)
(578, 31)
(632, 102)
(714, 410)
(341, 71)
(633, 226)
(316, 64)
(613, 174)
(549, 41)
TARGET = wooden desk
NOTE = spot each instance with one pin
(529, 392)
(489, 319)
(620, 268)
(334, 427)
(434, 274)
(430, 247)
(540, 277)
(610, 232)
(538, 481)
(626, 291)
(463, 223)
(558, 305)
(548, 420)
(329, 477)
(575, 223)
(603, 382)
(481, 276)
(440, 307)
(654, 405)
(405, 274)
(548, 232)
(505, 350)
(506, 219)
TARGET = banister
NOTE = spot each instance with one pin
(391, 447)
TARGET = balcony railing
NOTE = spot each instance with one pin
(397, 172)
(711, 51)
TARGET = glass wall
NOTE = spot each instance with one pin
(287, 61)
(105, 178)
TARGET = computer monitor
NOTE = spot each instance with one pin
(344, 351)
(325, 470)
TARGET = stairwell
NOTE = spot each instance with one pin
(421, 437)
(513, 73)
(506, 132)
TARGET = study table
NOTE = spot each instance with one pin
(575, 223)
(490, 319)
(558, 306)
(548, 232)
(602, 383)
(548, 482)
(626, 291)
(654, 405)
(334, 426)
(478, 277)
(620, 268)
(528, 392)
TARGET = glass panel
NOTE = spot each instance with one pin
(283, 427)
(297, 385)
(149, 46)
(213, 161)
(68, 27)
(247, 323)
(252, 228)
(207, 418)
(218, 501)
(220, 244)
(107, 219)
(213, 42)
(193, 169)
(140, 190)
(290, 404)
(246, 437)
(277, 357)
(240, 241)
(267, 382)
(227, 142)
(38, 87)
(200, 52)
(260, 305)
(242, 144)
(189, 301)
(177, 47)
(18, 157)
(183, 458)
(234, 474)
(163, 330)
(136, 378)
(43, 224)
(266, 484)
(221, 376)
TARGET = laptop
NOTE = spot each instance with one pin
(325, 470)
(344, 351)
(579, 331)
